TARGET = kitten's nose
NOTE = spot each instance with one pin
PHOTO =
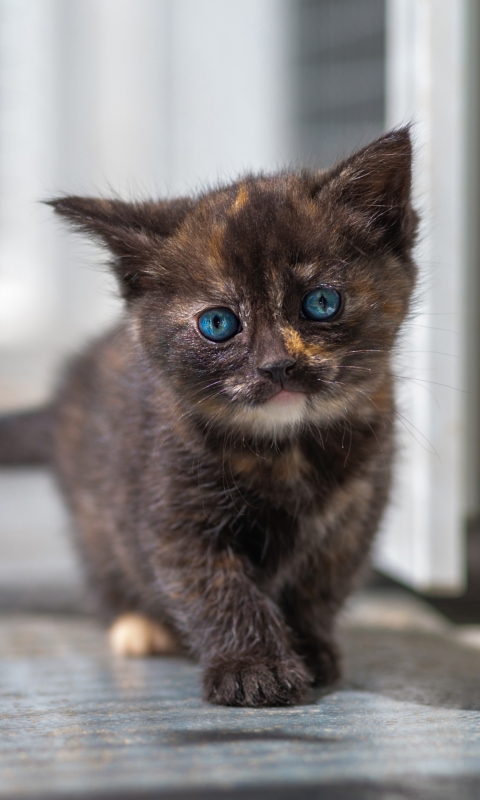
(278, 370)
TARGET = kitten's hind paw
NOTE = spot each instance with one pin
(255, 683)
(135, 635)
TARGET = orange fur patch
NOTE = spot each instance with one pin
(288, 467)
(381, 399)
(291, 467)
(241, 198)
(244, 463)
(215, 243)
(296, 346)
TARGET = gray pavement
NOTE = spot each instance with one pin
(79, 722)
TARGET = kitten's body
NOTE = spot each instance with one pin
(204, 498)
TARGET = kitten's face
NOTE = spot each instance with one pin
(258, 256)
(275, 302)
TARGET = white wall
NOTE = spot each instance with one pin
(136, 97)
(162, 96)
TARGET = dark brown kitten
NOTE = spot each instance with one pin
(227, 471)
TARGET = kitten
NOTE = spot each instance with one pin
(226, 451)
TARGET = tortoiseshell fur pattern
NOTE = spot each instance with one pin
(199, 501)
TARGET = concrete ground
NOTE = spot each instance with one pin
(77, 722)
(404, 722)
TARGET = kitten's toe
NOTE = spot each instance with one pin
(135, 635)
(256, 683)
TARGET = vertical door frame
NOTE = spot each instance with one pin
(429, 60)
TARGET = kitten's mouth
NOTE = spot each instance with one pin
(286, 398)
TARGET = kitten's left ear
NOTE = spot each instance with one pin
(374, 185)
(132, 232)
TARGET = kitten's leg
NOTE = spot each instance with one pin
(316, 593)
(234, 629)
(311, 602)
(135, 635)
(311, 617)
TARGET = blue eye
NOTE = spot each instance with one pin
(218, 324)
(322, 303)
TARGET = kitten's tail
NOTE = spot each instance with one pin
(27, 437)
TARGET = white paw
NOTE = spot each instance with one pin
(135, 635)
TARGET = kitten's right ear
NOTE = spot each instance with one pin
(131, 231)
(374, 186)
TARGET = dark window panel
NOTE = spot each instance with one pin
(340, 76)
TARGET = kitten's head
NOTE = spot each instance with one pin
(274, 302)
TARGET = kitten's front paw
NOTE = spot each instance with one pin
(256, 683)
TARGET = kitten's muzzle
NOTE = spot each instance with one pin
(278, 371)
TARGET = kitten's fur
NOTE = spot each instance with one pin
(238, 522)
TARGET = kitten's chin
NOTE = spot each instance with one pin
(279, 415)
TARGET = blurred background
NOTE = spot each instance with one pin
(155, 97)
